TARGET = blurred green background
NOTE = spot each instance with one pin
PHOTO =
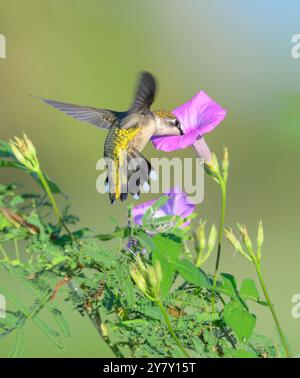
(89, 52)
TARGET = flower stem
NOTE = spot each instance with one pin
(220, 236)
(170, 328)
(53, 202)
(271, 307)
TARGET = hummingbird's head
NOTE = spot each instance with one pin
(167, 123)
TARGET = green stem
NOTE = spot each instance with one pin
(53, 202)
(4, 253)
(220, 235)
(170, 328)
(113, 347)
(266, 293)
(17, 250)
(97, 322)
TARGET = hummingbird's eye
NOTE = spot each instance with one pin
(176, 123)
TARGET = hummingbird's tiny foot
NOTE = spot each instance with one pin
(153, 175)
(146, 187)
(136, 196)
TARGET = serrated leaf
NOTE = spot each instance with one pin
(153, 208)
(248, 290)
(239, 320)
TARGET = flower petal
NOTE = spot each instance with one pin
(198, 117)
(178, 204)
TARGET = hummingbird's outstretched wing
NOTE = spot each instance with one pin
(145, 94)
(102, 118)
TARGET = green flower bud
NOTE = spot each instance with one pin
(138, 279)
(260, 239)
(147, 278)
(236, 244)
(25, 152)
(225, 163)
(246, 238)
(212, 167)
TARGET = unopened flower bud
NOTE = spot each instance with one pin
(246, 238)
(236, 244)
(212, 167)
(225, 163)
(260, 239)
(138, 279)
(25, 152)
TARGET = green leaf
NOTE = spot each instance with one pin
(11, 164)
(229, 286)
(17, 200)
(18, 345)
(152, 209)
(129, 292)
(167, 252)
(4, 222)
(192, 274)
(145, 240)
(239, 320)
(5, 150)
(55, 189)
(241, 353)
(248, 290)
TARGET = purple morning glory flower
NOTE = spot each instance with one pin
(198, 117)
(178, 204)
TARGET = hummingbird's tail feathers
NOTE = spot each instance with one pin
(130, 173)
(139, 169)
(102, 118)
(117, 178)
(145, 94)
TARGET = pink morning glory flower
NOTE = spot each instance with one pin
(178, 204)
(198, 117)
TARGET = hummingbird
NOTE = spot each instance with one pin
(128, 133)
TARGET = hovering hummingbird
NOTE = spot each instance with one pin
(128, 132)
